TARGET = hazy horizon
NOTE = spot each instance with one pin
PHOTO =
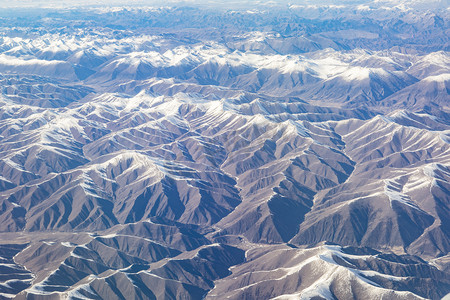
(426, 4)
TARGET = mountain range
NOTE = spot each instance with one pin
(191, 152)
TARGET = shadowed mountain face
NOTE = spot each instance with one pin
(192, 153)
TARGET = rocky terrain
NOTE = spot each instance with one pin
(190, 152)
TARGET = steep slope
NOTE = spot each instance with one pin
(403, 185)
(430, 94)
(327, 272)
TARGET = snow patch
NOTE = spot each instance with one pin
(393, 189)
